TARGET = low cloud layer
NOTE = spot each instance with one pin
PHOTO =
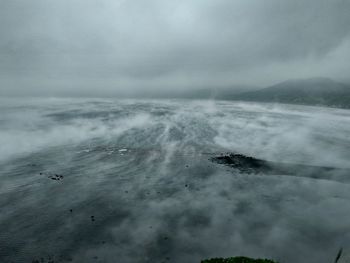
(114, 47)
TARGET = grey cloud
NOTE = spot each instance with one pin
(136, 44)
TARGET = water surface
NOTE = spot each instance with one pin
(96, 180)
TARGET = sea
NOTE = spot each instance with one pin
(123, 181)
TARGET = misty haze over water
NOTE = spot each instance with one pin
(138, 186)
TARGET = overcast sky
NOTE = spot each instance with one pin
(63, 47)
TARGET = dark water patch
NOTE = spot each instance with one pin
(80, 114)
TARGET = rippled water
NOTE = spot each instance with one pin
(137, 184)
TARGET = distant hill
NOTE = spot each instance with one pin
(219, 93)
(314, 91)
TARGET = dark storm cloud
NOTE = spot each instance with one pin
(60, 46)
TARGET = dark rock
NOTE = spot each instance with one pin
(243, 163)
(338, 255)
(251, 165)
(56, 177)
